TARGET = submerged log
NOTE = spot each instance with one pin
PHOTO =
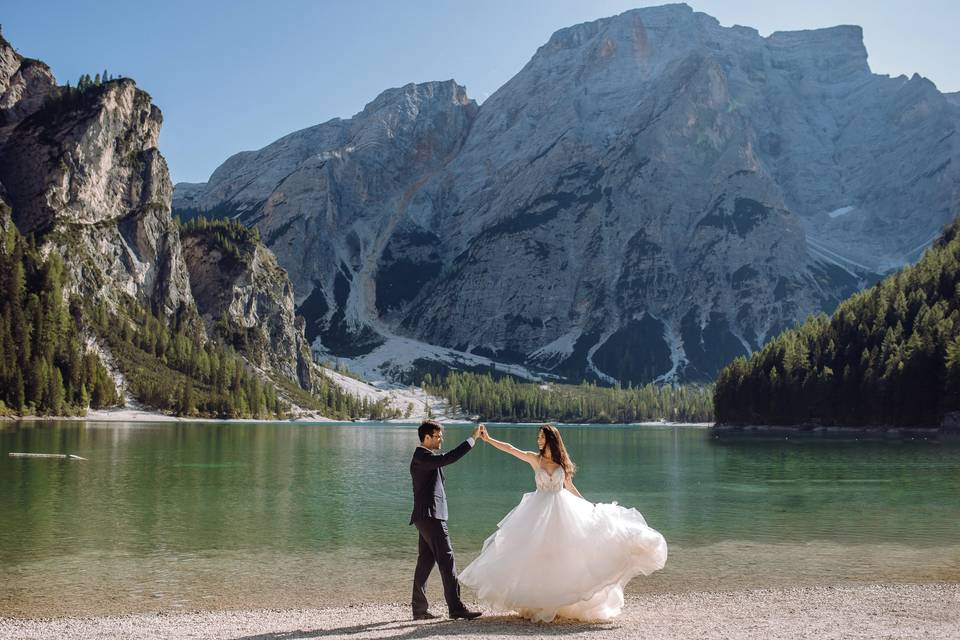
(61, 456)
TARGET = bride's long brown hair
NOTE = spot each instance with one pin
(558, 452)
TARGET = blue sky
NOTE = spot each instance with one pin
(236, 75)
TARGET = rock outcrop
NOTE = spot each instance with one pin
(246, 299)
(81, 171)
(327, 199)
(652, 195)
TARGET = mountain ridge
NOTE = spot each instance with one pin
(110, 276)
(651, 184)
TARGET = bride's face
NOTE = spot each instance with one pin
(541, 440)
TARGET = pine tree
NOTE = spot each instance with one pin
(891, 345)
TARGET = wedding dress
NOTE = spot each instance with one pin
(556, 554)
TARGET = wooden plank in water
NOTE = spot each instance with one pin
(60, 456)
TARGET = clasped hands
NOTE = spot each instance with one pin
(480, 433)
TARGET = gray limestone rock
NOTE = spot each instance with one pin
(243, 295)
(81, 171)
(652, 195)
(84, 174)
(327, 199)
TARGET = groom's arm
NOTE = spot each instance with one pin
(426, 460)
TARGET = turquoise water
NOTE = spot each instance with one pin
(182, 516)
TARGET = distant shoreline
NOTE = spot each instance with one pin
(814, 430)
(144, 415)
(719, 430)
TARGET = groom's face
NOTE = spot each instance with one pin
(434, 441)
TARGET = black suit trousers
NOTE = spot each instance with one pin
(435, 549)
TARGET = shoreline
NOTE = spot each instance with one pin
(142, 415)
(128, 414)
(721, 430)
(861, 611)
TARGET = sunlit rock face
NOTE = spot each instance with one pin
(81, 172)
(652, 195)
(246, 299)
(327, 199)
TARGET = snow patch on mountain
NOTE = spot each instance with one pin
(558, 350)
(842, 211)
(412, 402)
(678, 357)
(835, 258)
(397, 356)
(596, 371)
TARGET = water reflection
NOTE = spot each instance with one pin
(207, 515)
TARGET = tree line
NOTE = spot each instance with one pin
(232, 238)
(889, 355)
(45, 368)
(67, 99)
(509, 400)
(85, 81)
(175, 368)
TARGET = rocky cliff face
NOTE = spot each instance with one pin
(652, 195)
(327, 199)
(82, 172)
(246, 299)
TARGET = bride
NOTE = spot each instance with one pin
(555, 554)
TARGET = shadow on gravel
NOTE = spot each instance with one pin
(404, 629)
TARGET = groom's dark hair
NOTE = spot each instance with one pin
(428, 428)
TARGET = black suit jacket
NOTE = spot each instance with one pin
(426, 469)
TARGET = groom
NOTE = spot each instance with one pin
(430, 518)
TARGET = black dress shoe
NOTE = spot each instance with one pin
(466, 614)
(426, 615)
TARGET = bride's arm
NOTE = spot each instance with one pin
(568, 485)
(506, 447)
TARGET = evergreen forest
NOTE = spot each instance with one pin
(44, 367)
(888, 356)
(232, 238)
(505, 399)
(49, 366)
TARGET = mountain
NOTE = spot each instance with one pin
(889, 355)
(245, 298)
(651, 196)
(82, 181)
(323, 197)
(82, 172)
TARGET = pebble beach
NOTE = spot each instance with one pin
(861, 611)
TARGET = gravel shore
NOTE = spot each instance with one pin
(871, 611)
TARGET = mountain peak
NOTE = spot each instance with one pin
(417, 93)
(652, 195)
(838, 49)
(661, 33)
(670, 16)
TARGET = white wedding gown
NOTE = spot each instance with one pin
(556, 554)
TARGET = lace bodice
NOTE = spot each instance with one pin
(547, 481)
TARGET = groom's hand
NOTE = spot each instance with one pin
(483, 431)
(478, 432)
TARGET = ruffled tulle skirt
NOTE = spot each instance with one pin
(556, 554)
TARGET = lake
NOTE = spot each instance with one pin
(184, 516)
